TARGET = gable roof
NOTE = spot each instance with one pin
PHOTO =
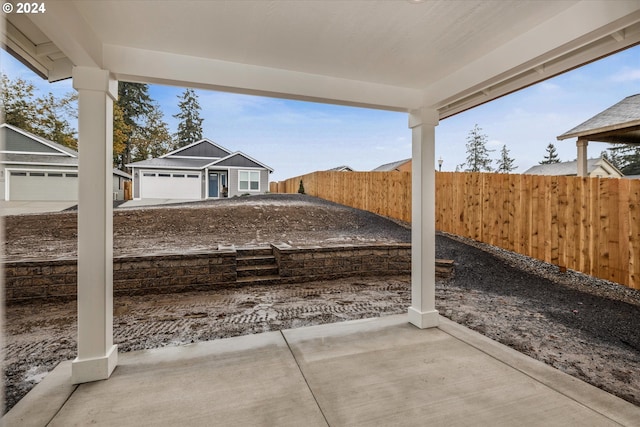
(388, 167)
(53, 154)
(343, 168)
(569, 168)
(619, 123)
(12, 139)
(204, 148)
(239, 159)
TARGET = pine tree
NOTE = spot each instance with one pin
(190, 126)
(153, 139)
(135, 104)
(625, 157)
(121, 136)
(551, 156)
(505, 163)
(477, 153)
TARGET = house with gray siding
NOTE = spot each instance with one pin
(201, 170)
(34, 168)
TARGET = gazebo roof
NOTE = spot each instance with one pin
(619, 123)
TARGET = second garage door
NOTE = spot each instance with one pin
(170, 185)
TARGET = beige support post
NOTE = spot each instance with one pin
(582, 157)
(422, 312)
(97, 356)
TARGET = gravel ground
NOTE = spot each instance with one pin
(586, 327)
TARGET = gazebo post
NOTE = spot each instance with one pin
(582, 157)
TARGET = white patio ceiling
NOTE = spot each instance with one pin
(397, 55)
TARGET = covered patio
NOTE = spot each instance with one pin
(364, 372)
(429, 59)
(618, 124)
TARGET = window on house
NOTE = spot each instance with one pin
(71, 175)
(37, 174)
(192, 176)
(18, 174)
(249, 180)
(148, 174)
(165, 175)
(178, 175)
(55, 174)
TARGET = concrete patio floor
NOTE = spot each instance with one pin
(367, 372)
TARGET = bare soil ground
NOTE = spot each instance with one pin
(586, 327)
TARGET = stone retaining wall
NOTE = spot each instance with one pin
(160, 273)
(299, 264)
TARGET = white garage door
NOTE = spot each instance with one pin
(43, 185)
(170, 185)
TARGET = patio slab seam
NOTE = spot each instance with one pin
(305, 378)
(599, 401)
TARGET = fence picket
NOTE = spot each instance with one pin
(587, 224)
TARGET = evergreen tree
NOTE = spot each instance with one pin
(153, 139)
(625, 157)
(551, 156)
(135, 104)
(190, 126)
(477, 153)
(121, 136)
(505, 163)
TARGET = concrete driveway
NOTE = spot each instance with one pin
(20, 207)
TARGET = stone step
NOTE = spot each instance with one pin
(255, 260)
(254, 252)
(256, 270)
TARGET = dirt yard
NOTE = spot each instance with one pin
(586, 327)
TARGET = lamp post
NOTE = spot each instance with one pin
(440, 162)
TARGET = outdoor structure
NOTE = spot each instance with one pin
(596, 168)
(618, 124)
(344, 168)
(429, 59)
(399, 166)
(201, 170)
(34, 168)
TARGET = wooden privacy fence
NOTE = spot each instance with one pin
(384, 193)
(590, 225)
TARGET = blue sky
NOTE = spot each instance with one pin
(294, 137)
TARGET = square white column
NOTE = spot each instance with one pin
(582, 157)
(97, 356)
(422, 312)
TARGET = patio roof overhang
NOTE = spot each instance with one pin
(431, 59)
(618, 124)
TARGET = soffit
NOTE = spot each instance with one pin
(396, 43)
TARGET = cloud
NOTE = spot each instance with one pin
(627, 74)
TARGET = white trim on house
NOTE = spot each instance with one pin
(194, 157)
(34, 153)
(249, 181)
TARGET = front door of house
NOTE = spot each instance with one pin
(213, 184)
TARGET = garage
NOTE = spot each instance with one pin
(170, 185)
(43, 185)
